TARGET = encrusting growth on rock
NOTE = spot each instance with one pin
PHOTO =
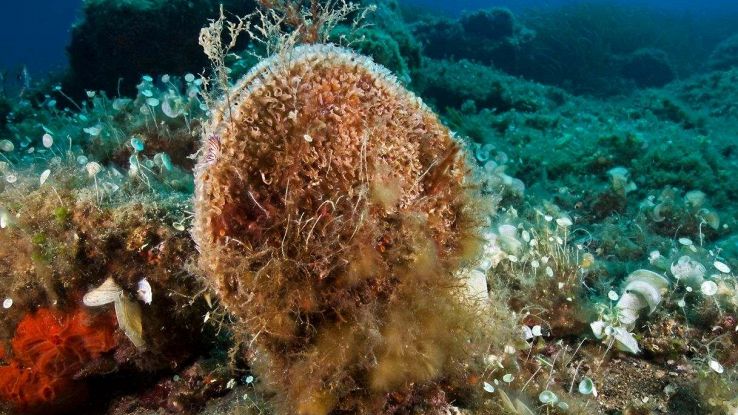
(332, 210)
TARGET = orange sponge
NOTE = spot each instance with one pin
(49, 348)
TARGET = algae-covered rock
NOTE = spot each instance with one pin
(95, 201)
(386, 38)
(491, 24)
(118, 41)
(61, 243)
(492, 37)
(725, 55)
(447, 83)
(648, 68)
(382, 47)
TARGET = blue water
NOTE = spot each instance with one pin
(34, 33)
(691, 6)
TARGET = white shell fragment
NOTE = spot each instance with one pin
(4, 219)
(144, 291)
(564, 222)
(624, 341)
(527, 333)
(686, 241)
(44, 176)
(716, 366)
(94, 131)
(598, 328)
(649, 284)
(654, 256)
(537, 331)
(127, 312)
(6, 146)
(108, 292)
(170, 107)
(688, 271)
(7, 303)
(47, 140)
(709, 288)
(476, 284)
(722, 267)
(643, 289)
(93, 168)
